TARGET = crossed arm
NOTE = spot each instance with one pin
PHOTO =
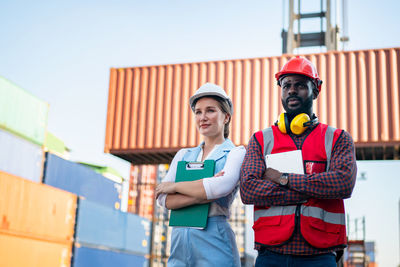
(260, 185)
(177, 195)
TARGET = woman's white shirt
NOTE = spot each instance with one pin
(215, 187)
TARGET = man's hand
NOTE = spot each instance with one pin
(272, 175)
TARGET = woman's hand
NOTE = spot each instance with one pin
(221, 173)
(165, 188)
(190, 188)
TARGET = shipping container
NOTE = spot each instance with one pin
(237, 210)
(36, 210)
(100, 226)
(81, 180)
(143, 174)
(22, 113)
(17, 251)
(161, 239)
(56, 146)
(237, 221)
(88, 257)
(141, 200)
(106, 171)
(159, 262)
(20, 157)
(360, 93)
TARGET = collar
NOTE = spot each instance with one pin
(220, 152)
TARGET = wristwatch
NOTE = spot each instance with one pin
(283, 181)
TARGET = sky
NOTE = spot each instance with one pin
(62, 52)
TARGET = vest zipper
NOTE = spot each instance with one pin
(297, 218)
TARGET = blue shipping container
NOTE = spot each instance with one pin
(81, 180)
(87, 257)
(101, 226)
(20, 157)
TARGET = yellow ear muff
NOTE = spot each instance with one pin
(297, 124)
(281, 123)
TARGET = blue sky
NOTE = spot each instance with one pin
(61, 51)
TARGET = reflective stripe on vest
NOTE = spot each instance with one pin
(315, 212)
(326, 216)
(274, 211)
(268, 140)
(328, 145)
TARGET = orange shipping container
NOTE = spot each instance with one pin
(149, 119)
(36, 210)
(141, 200)
(18, 251)
(143, 174)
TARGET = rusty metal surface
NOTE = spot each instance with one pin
(149, 118)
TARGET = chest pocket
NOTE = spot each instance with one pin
(312, 167)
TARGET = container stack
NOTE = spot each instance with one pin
(108, 237)
(82, 181)
(142, 182)
(39, 191)
(23, 125)
(161, 241)
(38, 222)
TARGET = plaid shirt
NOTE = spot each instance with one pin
(338, 183)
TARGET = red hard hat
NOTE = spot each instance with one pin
(302, 66)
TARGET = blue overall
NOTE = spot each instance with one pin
(215, 245)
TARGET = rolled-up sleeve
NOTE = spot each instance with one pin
(221, 186)
(338, 182)
(258, 191)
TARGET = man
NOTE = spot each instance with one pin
(299, 219)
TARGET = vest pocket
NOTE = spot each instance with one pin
(268, 216)
(321, 220)
(321, 235)
(323, 226)
(275, 227)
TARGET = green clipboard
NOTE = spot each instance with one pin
(196, 215)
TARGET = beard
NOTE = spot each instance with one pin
(304, 107)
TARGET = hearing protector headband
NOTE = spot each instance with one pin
(297, 126)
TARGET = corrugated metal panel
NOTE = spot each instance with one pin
(16, 251)
(85, 257)
(143, 174)
(83, 181)
(22, 113)
(36, 210)
(100, 226)
(141, 200)
(20, 157)
(149, 118)
(56, 146)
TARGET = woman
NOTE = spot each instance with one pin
(215, 245)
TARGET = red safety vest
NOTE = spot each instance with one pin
(322, 221)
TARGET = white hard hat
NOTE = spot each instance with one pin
(210, 89)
